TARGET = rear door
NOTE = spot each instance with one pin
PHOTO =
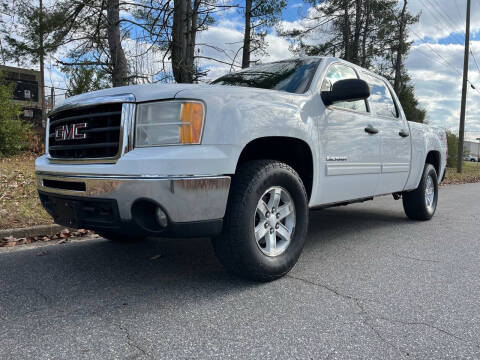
(352, 155)
(395, 136)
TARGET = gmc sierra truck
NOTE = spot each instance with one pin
(241, 160)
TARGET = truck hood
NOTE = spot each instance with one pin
(153, 92)
(141, 92)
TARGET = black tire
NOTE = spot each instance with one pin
(237, 248)
(119, 237)
(415, 203)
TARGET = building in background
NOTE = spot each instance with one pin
(26, 91)
(472, 148)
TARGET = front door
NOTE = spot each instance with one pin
(351, 145)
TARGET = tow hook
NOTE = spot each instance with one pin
(397, 196)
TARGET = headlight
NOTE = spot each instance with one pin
(169, 123)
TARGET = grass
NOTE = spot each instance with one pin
(20, 206)
(19, 203)
(470, 174)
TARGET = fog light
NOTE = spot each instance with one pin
(161, 218)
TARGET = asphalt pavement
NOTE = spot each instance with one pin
(370, 284)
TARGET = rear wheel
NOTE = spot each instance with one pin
(266, 221)
(421, 203)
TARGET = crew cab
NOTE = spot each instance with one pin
(241, 160)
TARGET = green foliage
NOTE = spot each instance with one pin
(368, 33)
(82, 79)
(14, 133)
(264, 15)
(410, 105)
(452, 140)
(356, 31)
(23, 42)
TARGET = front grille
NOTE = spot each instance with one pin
(97, 137)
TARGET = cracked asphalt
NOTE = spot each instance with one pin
(370, 284)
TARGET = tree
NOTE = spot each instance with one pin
(452, 141)
(32, 40)
(117, 55)
(174, 30)
(14, 133)
(184, 33)
(82, 79)
(259, 15)
(360, 31)
(356, 31)
(410, 104)
(401, 44)
(90, 28)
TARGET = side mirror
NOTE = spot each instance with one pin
(346, 90)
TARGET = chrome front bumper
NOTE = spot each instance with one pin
(184, 199)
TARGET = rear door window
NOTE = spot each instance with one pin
(380, 99)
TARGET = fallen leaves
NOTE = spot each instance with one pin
(470, 174)
(19, 203)
(62, 236)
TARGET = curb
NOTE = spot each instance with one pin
(38, 230)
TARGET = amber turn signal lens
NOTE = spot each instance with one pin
(192, 119)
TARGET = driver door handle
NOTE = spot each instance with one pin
(403, 133)
(371, 130)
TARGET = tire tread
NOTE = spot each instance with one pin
(227, 245)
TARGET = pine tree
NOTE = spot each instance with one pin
(259, 16)
(91, 27)
(369, 33)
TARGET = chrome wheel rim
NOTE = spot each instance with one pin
(429, 193)
(275, 221)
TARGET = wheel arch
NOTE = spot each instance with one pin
(434, 158)
(293, 151)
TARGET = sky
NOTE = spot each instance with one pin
(435, 61)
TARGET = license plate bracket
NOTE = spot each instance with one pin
(65, 212)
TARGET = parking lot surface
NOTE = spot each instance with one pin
(370, 284)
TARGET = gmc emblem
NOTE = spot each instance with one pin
(70, 132)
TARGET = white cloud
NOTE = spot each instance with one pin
(438, 84)
(440, 18)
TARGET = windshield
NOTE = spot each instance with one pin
(293, 76)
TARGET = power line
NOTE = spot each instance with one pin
(447, 66)
(431, 48)
(445, 19)
(442, 14)
(475, 60)
(445, 62)
(458, 11)
(56, 88)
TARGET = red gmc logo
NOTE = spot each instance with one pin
(70, 132)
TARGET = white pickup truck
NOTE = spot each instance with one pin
(241, 160)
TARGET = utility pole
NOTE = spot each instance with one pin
(461, 131)
(52, 98)
(41, 60)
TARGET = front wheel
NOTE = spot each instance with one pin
(421, 203)
(266, 221)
